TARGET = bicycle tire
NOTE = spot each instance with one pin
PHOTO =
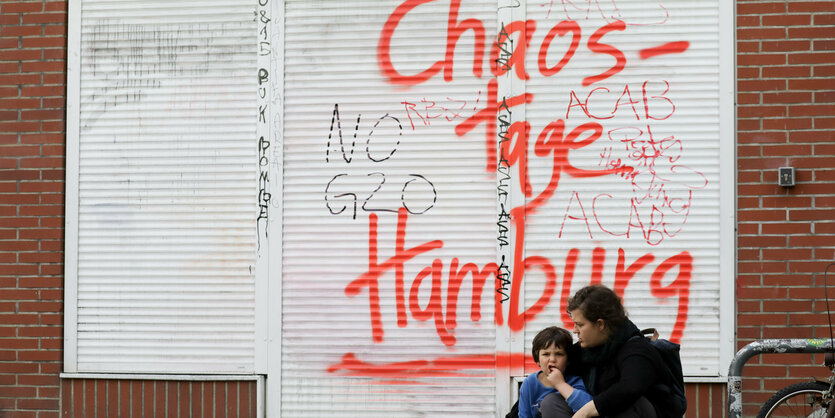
(787, 401)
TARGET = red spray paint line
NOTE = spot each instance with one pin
(668, 48)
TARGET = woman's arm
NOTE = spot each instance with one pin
(588, 410)
(579, 397)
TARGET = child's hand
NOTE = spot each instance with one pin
(555, 377)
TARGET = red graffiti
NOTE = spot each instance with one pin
(488, 116)
(668, 48)
(506, 59)
(454, 31)
(445, 315)
(438, 367)
(624, 101)
(433, 294)
(445, 321)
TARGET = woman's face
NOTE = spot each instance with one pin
(590, 334)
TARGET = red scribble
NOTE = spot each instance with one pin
(601, 48)
(584, 218)
(668, 48)
(559, 29)
(680, 287)
(646, 99)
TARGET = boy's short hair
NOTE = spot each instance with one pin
(560, 337)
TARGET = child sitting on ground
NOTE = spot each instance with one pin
(568, 393)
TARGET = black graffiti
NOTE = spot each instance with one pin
(503, 281)
(344, 185)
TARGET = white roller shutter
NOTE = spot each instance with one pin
(346, 349)
(647, 205)
(167, 187)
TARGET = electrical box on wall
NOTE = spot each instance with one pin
(786, 176)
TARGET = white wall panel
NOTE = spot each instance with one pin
(334, 362)
(664, 202)
(166, 187)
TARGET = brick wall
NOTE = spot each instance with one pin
(786, 117)
(786, 236)
(32, 92)
(86, 398)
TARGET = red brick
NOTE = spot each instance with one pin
(810, 110)
(12, 79)
(12, 31)
(782, 97)
(55, 30)
(814, 188)
(764, 33)
(762, 59)
(747, 72)
(763, 293)
(787, 124)
(762, 267)
(762, 137)
(748, 98)
(787, 254)
(21, 7)
(55, 54)
(786, 20)
(747, 47)
(44, 18)
(20, 54)
(810, 6)
(55, 6)
(786, 71)
(811, 293)
(811, 58)
(762, 319)
(43, 66)
(821, 32)
(774, 150)
(787, 306)
(811, 136)
(823, 44)
(43, 91)
(786, 228)
(748, 125)
(20, 103)
(763, 111)
(758, 8)
(825, 96)
(761, 85)
(788, 280)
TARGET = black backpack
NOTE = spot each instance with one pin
(669, 352)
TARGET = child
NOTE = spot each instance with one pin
(550, 352)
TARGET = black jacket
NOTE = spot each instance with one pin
(626, 368)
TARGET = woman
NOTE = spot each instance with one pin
(624, 373)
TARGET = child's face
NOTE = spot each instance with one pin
(552, 357)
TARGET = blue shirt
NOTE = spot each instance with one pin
(533, 392)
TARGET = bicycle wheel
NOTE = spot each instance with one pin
(798, 400)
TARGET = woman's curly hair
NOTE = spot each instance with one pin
(599, 302)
